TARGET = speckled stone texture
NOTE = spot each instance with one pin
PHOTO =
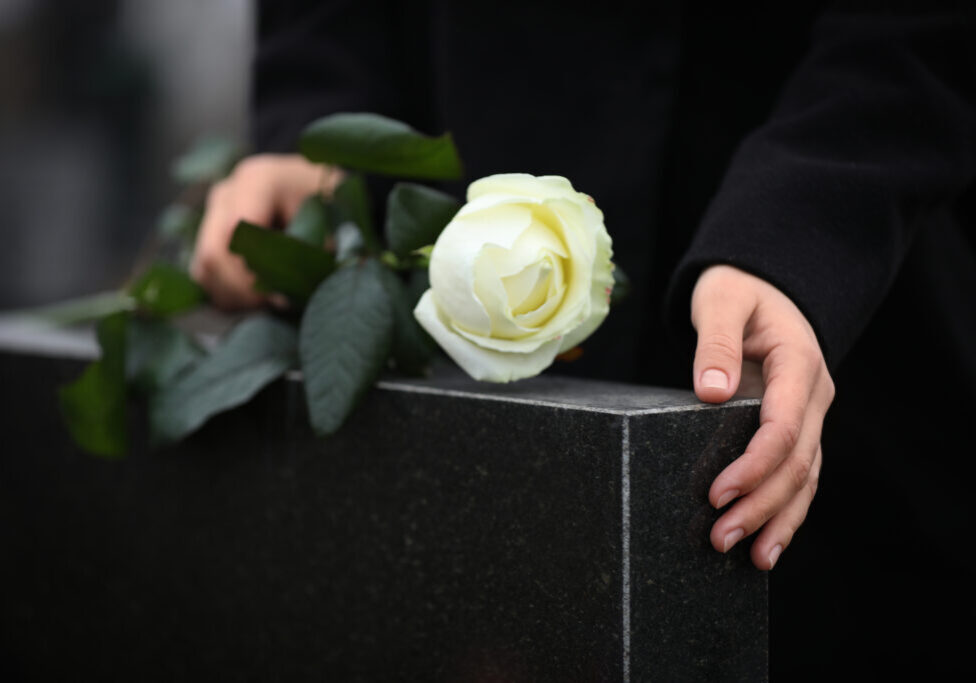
(550, 530)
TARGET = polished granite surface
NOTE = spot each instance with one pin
(549, 530)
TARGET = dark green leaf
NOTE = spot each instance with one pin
(621, 285)
(94, 405)
(352, 198)
(255, 353)
(281, 263)
(315, 221)
(417, 284)
(208, 160)
(376, 144)
(156, 352)
(344, 342)
(179, 221)
(166, 290)
(412, 346)
(415, 216)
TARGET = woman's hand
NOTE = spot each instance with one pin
(740, 317)
(262, 189)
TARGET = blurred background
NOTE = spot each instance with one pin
(97, 98)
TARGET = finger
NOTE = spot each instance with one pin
(253, 197)
(232, 287)
(222, 273)
(719, 313)
(753, 510)
(779, 531)
(299, 183)
(792, 374)
(279, 184)
(210, 234)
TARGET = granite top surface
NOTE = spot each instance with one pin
(29, 337)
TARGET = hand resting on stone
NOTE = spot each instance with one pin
(741, 318)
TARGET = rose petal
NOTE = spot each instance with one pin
(480, 363)
(602, 285)
(527, 289)
(575, 306)
(554, 297)
(455, 254)
(537, 244)
(523, 185)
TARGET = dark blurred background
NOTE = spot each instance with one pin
(97, 97)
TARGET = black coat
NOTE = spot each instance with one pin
(832, 153)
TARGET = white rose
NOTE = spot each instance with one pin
(521, 274)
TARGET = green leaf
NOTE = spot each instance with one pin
(416, 215)
(352, 198)
(344, 342)
(412, 346)
(315, 221)
(281, 263)
(417, 284)
(376, 144)
(94, 405)
(166, 290)
(82, 309)
(179, 221)
(255, 353)
(210, 159)
(156, 352)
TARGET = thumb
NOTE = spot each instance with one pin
(719, 312)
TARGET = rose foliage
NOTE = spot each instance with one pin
(518, 275)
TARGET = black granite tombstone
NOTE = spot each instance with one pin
(548, 530)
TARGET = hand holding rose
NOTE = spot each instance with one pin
(262, 188)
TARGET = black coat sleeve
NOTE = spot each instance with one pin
(873, 136)
(317, 57)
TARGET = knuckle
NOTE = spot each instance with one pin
(249, 169)
(256, 166)
(799, 470)
(250, 164)
(789, 434)
(750, 471)
(720, 346)
(831, 388)
(810, 353)
(763, 509)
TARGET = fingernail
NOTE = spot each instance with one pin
(732, 538)
(774, 555)
(714, 379)
(726, 497)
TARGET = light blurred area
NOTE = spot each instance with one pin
(97, 97)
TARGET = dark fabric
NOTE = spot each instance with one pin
(835, 152)
(873, 137)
